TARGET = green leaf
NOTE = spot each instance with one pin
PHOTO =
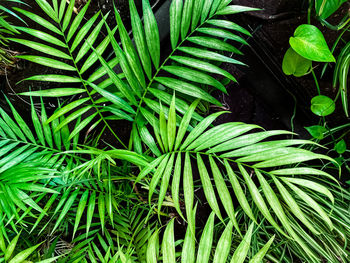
(68, 15)
(312, 204)
(94, 56)
(210, 55)
(197, 11)
(115, 78)
(76, 22)
(258, 199)
(200, 128)
(258, 257)
(171, 124)
(175, 186)
(90, 211)
(241, 251)
(11, 247)
(315, 187)
(39, 20)
(102, 210)
(204, 66)
(59, 92)
(48, 62)
(140, 39)
(113, 98)
(168, 244)
(225, 34)
(228, 25)
(45, 6)
(340, 146)
(189, 246)
(187, 88)
(209, 42)
(175, 21)
(151, 33)
(65, 209)
(83, 31)
(23, 255)
(130, 51)
(294, 64)
(157, 175)
(90, 41)
(208, 187)
(235, 9)
(206, 9)
(239, 193)
(184, 124)
(325, 8)
(22, 124)
(153, 248)
(322, 105)
(316, 131)
(41, 47)
(308, 41)
(224, 193)
(54, 78)
(205, 243)
(293, 205)
(186, 17)
(43, 36)
(224, 245)
(165, 181)
(188, 189)
(80, 210)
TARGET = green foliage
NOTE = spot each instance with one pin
(316, 131)
(325, 8)
(75, 196)
(322, 105)
(308, 41)
(294, 64)
(340, 76)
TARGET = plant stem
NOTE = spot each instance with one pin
(316, 81)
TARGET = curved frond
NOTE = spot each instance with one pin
(229, 157)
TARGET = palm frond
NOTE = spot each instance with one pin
(190, 73)
(271, 170)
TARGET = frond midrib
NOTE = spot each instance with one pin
(165, 61)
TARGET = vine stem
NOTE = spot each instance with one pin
(316, 81)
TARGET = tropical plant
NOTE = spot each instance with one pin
(87, 200)
(308, 45)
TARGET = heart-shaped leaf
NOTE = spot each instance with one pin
(316, 131)
(309, 42)
(322, 105)
(294, 64)
(340, 147)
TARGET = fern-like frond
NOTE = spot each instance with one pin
(62, 49)
(272, 171)
(199, 44)
(194, 57)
